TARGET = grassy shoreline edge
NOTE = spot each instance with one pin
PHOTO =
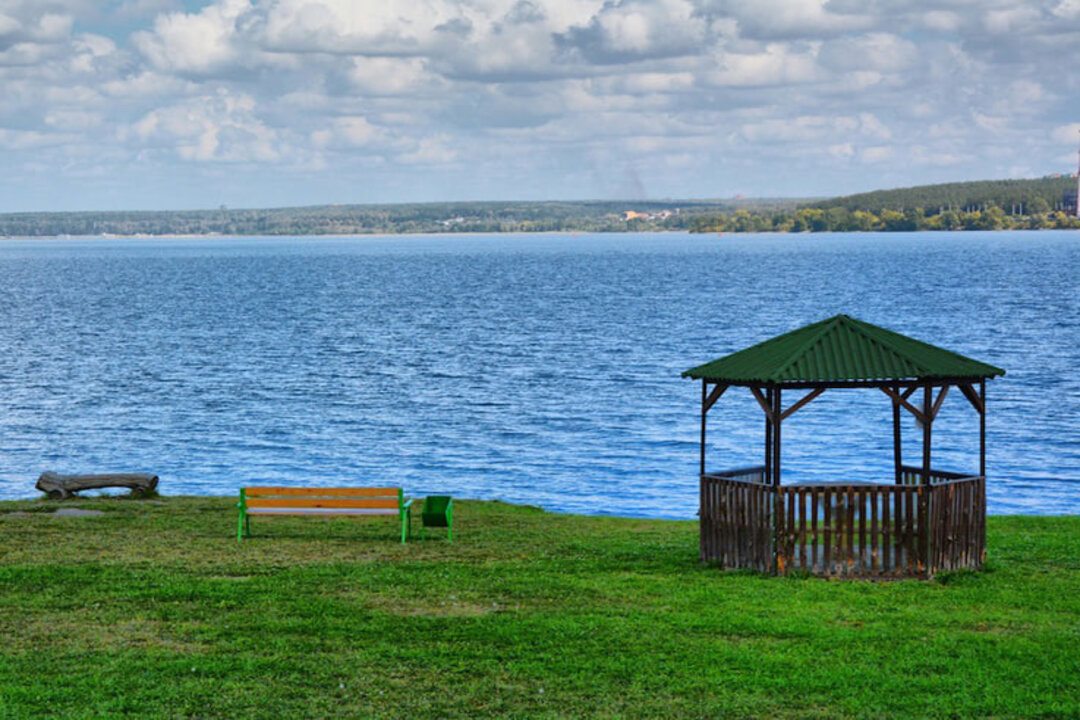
(154, 610)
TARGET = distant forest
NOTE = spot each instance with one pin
(457, 217)
(1040, 203)
(1048, 202)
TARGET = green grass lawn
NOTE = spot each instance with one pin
(154, 610)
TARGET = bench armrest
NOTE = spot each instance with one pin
(407, 505)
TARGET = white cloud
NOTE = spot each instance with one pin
(876, 154)
(218, 128)
(879, 52)
(194, 42)
(354, 132)
(1066, 134)
(776, 64)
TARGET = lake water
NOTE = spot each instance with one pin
(533, 369)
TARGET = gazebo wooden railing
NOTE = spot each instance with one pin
(924, 521)
(836, 529)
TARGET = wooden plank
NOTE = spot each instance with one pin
(827, 525)
(934, 562)
(909, 529)
(751, 526)
(957, 491)
(839, 515)
(902, 400)
(982, 434)
(937, 403)
(702, 521)
(801, 403)
(850, 529)
(722, 523)
(860, 499)
(745, 543)
(755, 515)
(965, 530)
(887, 547)
(777, 404)
(923, 551)
(898, 446)
(715, 395)
(982, 520)
(768, 442)
(704, 415)
(927, 443)
(720, 534)
(764, 528)
(972, 397)
(323, 512)
(762, 401)
(814, 493)
(302, 502)
(781, 530)
(321, 492)
(706, 520)
(802, 528)
(791, 497)
(731, 536)
(875, 560)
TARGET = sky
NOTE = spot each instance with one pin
(163, 104)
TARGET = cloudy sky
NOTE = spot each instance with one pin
(129, 104)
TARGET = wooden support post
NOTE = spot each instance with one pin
(982, 428)
(768, 440)
(778, 498)
(928, 422)
(982, 461)
(704, 410)
(776, 435)
(922, 563)
(898, 448)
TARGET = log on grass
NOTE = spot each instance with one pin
(64, 486)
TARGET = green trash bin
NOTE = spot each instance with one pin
(439, 512)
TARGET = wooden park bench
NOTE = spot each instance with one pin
(322, 502)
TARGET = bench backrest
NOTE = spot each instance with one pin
(323, 500)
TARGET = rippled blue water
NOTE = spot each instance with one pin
(535, 369)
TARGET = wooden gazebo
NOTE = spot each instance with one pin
(925, 520)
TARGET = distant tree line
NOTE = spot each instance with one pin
(989, 217)
(1042, 203)
(465, 217)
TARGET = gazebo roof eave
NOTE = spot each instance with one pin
(839, 352)
(802, 384)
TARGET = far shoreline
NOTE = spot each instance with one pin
(514, 233)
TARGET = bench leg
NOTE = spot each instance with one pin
(406, 526)
(241, 522)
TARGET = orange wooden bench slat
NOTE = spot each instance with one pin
(302, 502)
(253, 492)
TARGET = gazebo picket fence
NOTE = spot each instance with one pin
(840, 529)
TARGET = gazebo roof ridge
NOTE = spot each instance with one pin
(826, 326)
(841, 349)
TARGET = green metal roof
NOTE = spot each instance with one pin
(837, 350)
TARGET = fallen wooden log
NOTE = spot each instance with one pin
(64, 486)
